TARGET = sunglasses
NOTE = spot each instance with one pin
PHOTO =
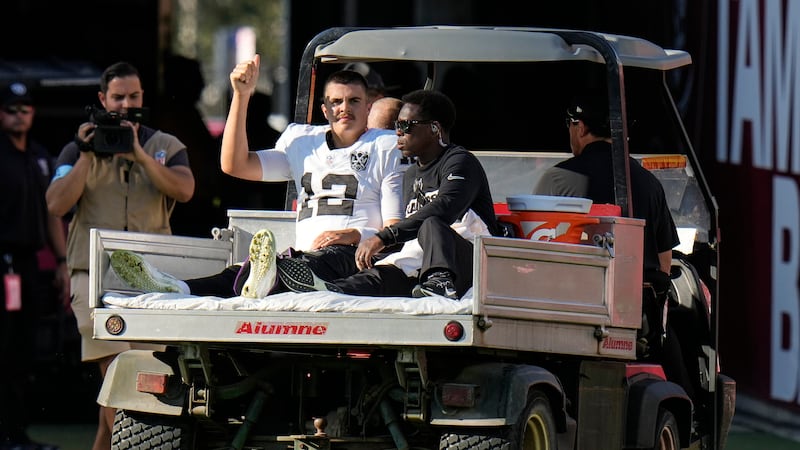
(405, 125)
(571, 121)
(16, 109)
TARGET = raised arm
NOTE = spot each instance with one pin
(236, 159)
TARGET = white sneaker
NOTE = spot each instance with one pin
(262, 265)
(131, 268)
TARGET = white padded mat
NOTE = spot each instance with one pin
(290, 301)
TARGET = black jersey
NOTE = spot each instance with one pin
(448, 187)
(647, 197)
(24, 177)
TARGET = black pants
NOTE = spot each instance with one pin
(378, 281)
(443, 249)
(217, 285)
(329, 263)
(17, 346)
(337, 264)
(665, 346)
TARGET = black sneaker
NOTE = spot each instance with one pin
(298, 277)
(438, 283)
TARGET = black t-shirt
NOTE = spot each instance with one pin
(647, 197)
(447, 188)
(24, 177)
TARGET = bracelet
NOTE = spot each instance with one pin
(392, 235)
(61, 259)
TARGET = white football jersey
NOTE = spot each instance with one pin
(355, 187)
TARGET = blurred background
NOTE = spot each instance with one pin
(739, 100)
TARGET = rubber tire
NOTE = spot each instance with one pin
(138, 431)
(536, 427)
(458, 441)
(667, 437)
(535, 430)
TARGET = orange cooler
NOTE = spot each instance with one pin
(553, 218)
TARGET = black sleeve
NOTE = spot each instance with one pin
(460, 179)
(179, 159)
(68, 156)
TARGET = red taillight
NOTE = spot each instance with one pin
(151, 383)
(633, 369)
(453, 331)
(459, 395)
(358, 354)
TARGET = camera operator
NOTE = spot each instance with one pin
(131, 184)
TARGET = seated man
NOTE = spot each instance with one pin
(384, 112)
(589, 174)
(448, 202)
(330, 236)
(331, 218)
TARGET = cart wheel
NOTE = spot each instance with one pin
(536, 429)
(138, 431)
(667, 437)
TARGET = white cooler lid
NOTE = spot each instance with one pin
(553, 203)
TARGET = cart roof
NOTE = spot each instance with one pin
(481, 44)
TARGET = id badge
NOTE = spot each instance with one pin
(13, 286)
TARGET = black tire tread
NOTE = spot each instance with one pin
(133, 431)
(456, 441)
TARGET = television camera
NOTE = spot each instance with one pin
(109, 135)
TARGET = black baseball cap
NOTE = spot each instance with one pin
(374, 79)
(15, 94)
(592, 109)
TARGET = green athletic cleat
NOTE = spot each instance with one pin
(140, 275)
(262, 265)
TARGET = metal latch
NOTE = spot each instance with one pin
(222, 234)
(606, 241)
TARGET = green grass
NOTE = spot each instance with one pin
(756, 440)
